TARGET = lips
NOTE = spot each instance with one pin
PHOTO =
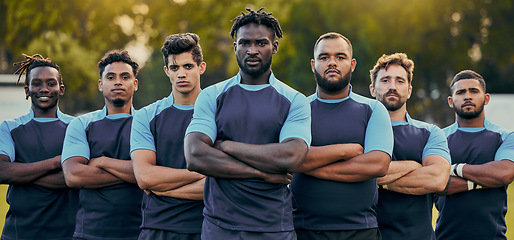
(332, 71)
(252, 61)
(468, 105)
(182, 83)
(118, 90)
(44, 98)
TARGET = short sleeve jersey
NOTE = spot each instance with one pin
(403, 215)
(330, 205)
(36, 212)
(112, 212)
(160, 127)
(476, 214)
(253, 114)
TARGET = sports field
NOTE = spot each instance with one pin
(510, 215)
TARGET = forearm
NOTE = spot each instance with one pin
(455, 185)
(492, 174)
(192, 191)
(363, 167)
(52, 181)
(119, 168)
(421, 181)
(80, 175)
(23, 173)
(398, 169)
(319, 156)
(159, 178)
(271, 158)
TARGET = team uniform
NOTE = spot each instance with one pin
(112, 212)
(36, 212)
(160, 127)
(476, 214)
(325, 205)
(253, 114)
(404, 216)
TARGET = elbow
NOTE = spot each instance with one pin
(72, 181)
(440, 184)
(144, 182)
(506, 177)
(383, 166)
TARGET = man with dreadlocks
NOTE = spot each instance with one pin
(247, 135)
(173, 207)
(41, 206)
(96, 158)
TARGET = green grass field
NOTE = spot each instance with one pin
(509, 217)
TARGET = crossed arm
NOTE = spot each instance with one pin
(97, 173)
(409, 178)
(46, 173)
(270, 162)
(165, 181)
(326, 163)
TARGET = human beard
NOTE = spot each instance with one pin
(265, 66)
(336, 86)
(392, 105)
(471, 114)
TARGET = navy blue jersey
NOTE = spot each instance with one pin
(330, 205)
(160, 127)
(112, 212)
(254, 114)
(477, 214)
(404, 216)
(36, 212)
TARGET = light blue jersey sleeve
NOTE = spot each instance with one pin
(298, 122)
(204, 114)
(506, 149)
(437, 144)
(75, 141)
(379, 132)
(140, 135)
(6, 142)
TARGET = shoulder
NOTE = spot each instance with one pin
(450, 129)
(155, 108)
(505, 133)
(288, 92)
(372, 103)
(87, 118)
(16, 122)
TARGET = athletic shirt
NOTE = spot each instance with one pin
(36, 212)
(112, 212)
(160, 128)
(253, 114)
(404, 216)
(477, 214)
(330, 205)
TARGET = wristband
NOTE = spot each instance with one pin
(458, 169)
(452, 170)
(385, 187)
(471, 185)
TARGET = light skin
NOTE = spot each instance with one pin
(117, 84)
(392, 88)
(468, 96)
(44, 89)
(340, 162)
(184, 74)
(272, 163)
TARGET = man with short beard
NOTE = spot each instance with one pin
(335, 189)
(475, 202)
(420, 162)
(96, 157)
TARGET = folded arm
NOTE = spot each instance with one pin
(23, 173)
(159, 178)
(319, 156)
(491, 174)
(280, 157)
(202, 157)
(117, 167)
(398, 169)
(357, 169)
(192, 191)
(431, 177)
(79, 174)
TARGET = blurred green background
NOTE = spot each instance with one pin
(442, 37)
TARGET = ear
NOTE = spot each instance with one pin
(100, 84)
(235, 47)
(450, 102)
(487, 97)
(354, 64)
(203, 67)
(26, 92)
(410, 91)
(166, 71)
(313, 63)
(61, 88)
(136, 84)
(372, 90)
(275, 47)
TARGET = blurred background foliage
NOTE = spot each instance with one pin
(442, 37)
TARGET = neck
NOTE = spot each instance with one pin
(251, 80)
(333, 95)
(399, 115)
(477, 122)
(44, 113)
(112, 109)
(185, 99)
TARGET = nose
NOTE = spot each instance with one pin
(44, 88)
(252, 49)
(181, 73)
(332, 61)
(117, 81)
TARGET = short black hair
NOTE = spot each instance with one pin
(258, 17)
(467, 74)
(117, 56)
(333, 35)
(180, 43)
(32, 62)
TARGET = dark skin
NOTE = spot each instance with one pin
(44, 88)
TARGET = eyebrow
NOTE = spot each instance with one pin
(337, 54)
